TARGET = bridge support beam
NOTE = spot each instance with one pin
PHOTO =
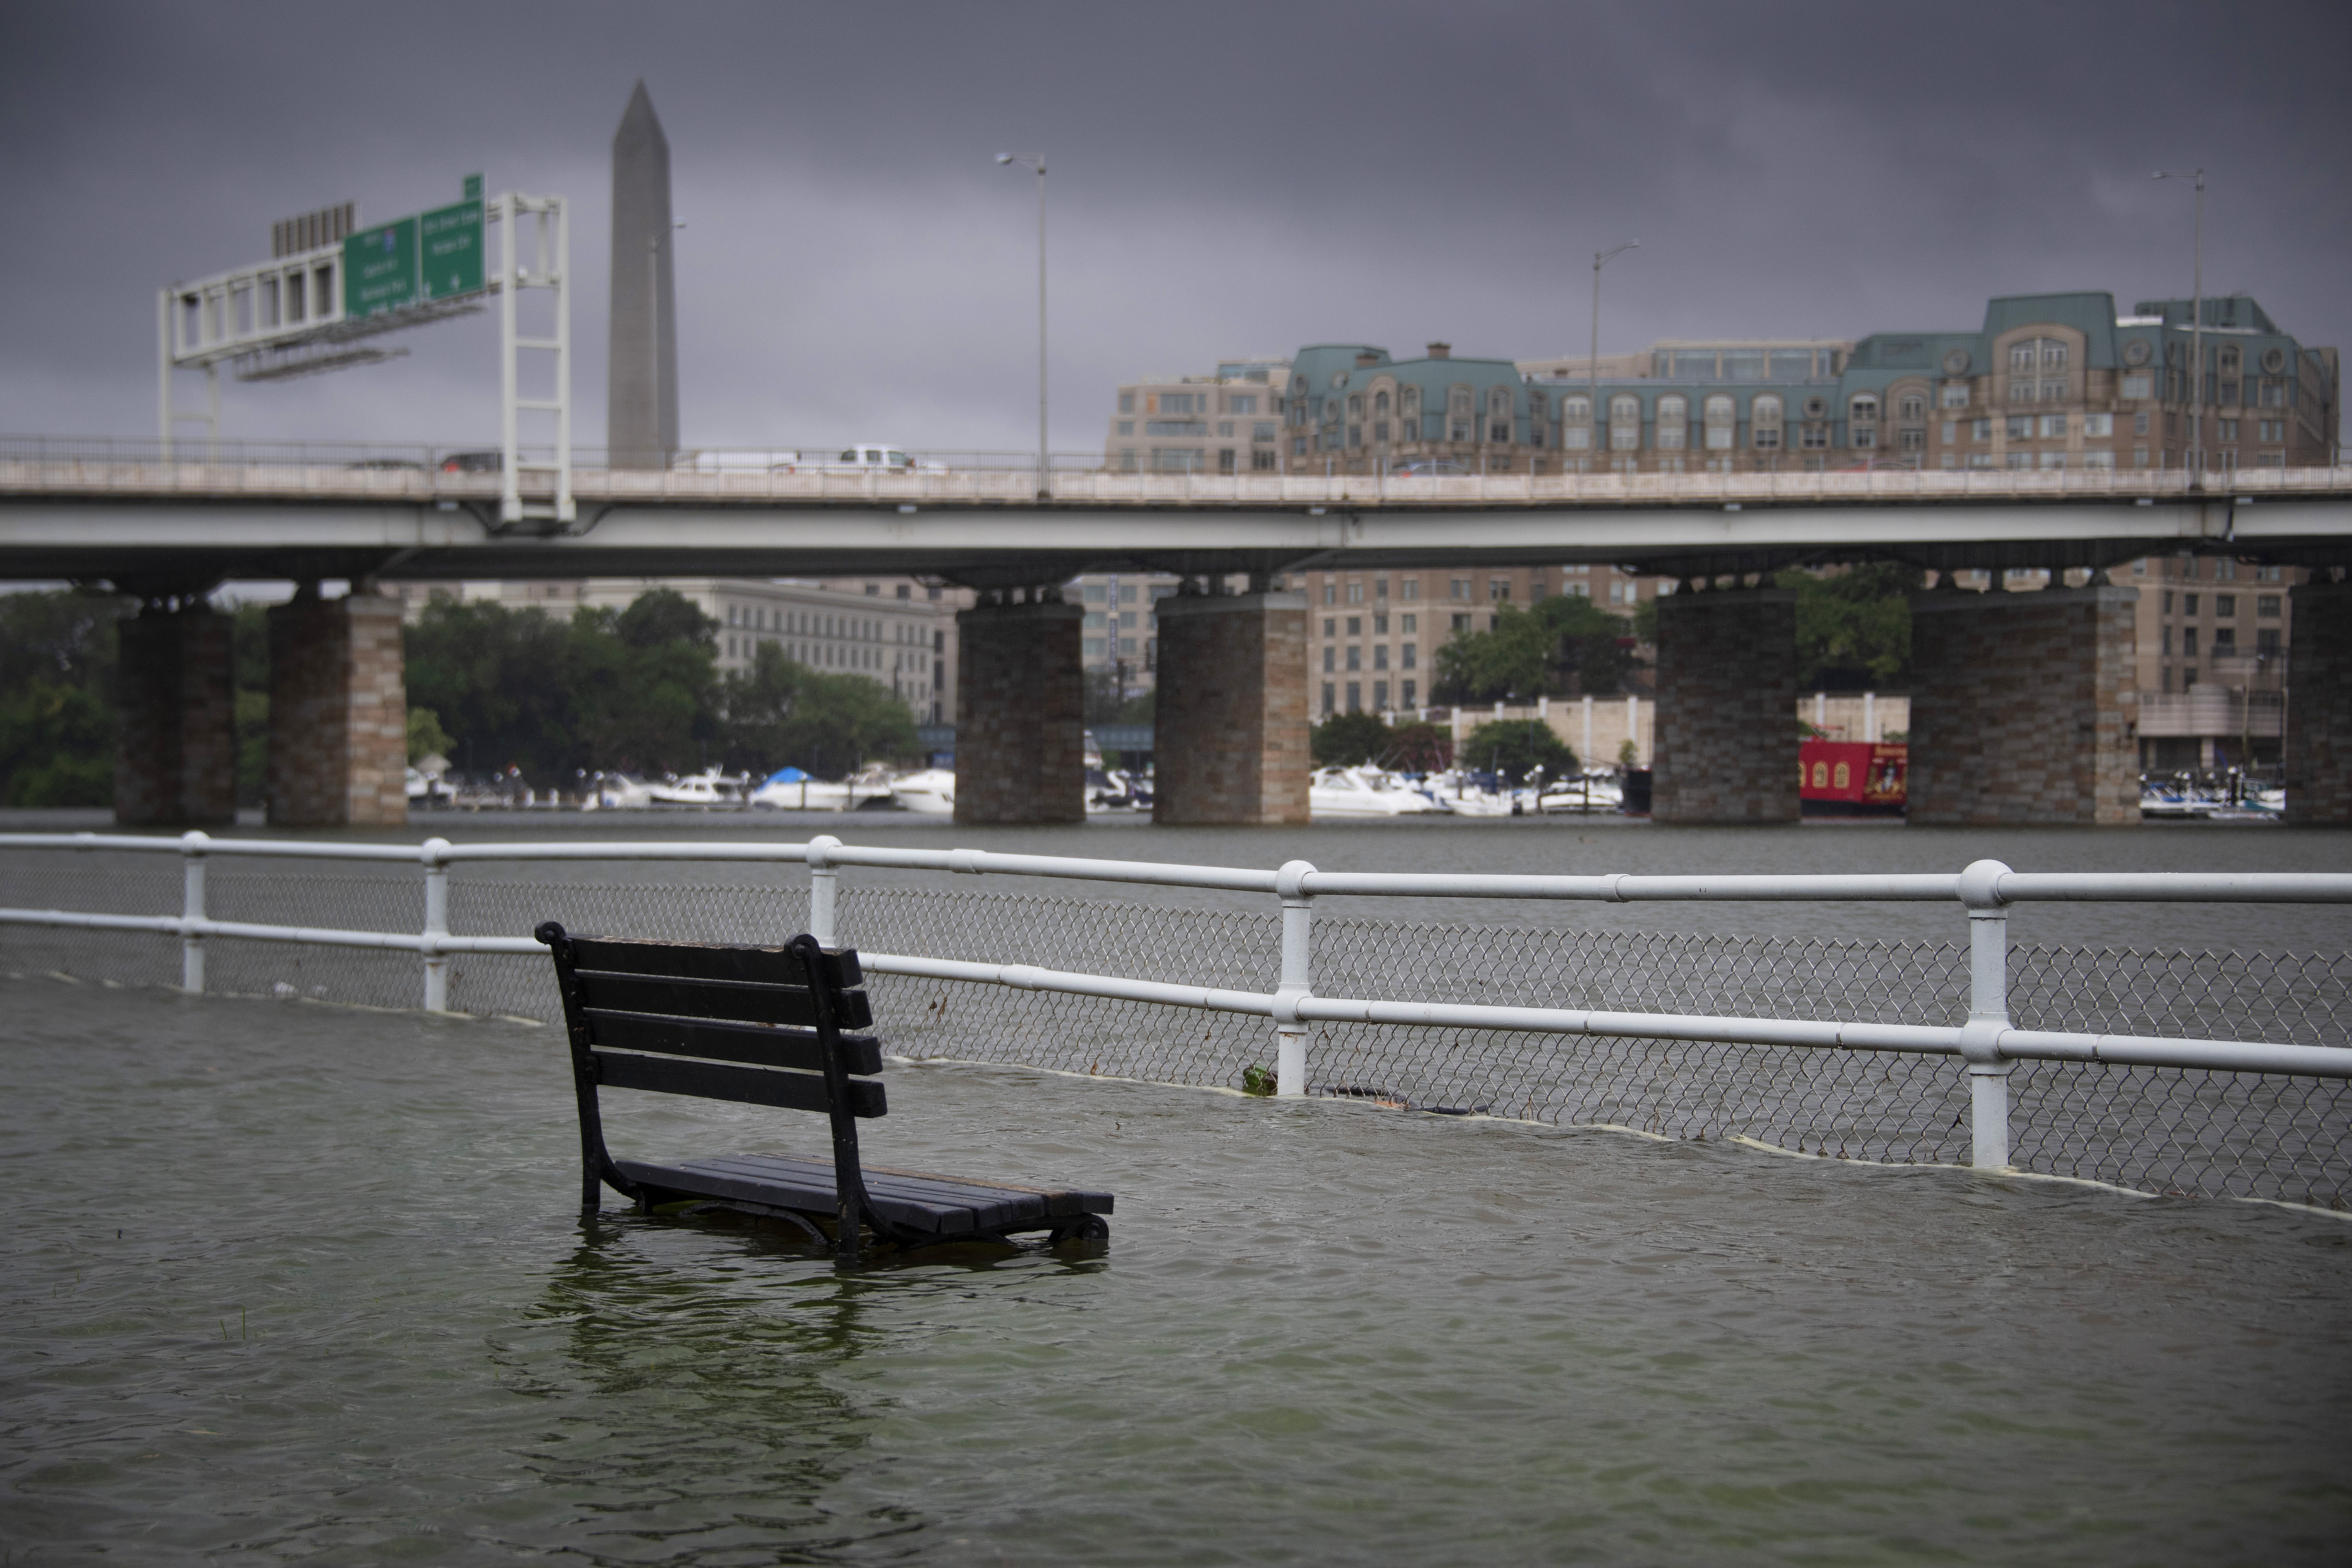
(1229, 741)
(175, 759)
(2318, 742)
(338, 712)
(1020, 714)
(2021, 708)
(1726, 725)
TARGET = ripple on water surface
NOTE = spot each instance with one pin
(296, 1282)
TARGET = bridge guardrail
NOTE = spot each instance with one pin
(26, 471)
(1979, 1030)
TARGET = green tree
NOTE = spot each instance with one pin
(1513, 746)
(780, 713)
(1564, 644)
(425, 735)
(1347, 739)
(57, 654)
(635, 690)
(1854, 626)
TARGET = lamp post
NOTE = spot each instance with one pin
(653, 321)
(1036, 161)
(1592, 363)
(2196, 329)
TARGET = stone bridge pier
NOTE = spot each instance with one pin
(1229, 743)
(2022, 707)
(2318, 742)
(1727, 738)
(338, 712)
(1021, 711)
(175, 757)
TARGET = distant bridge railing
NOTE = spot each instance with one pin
(2123, 1063)
(40, 465)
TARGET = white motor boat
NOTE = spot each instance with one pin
(429, 788)
(789, 789)
(706, 789)
(931, 792)
(1583, 792)
(1342, 793)
(619, 791)
(1456, 792)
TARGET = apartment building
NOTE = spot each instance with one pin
(1226, 423)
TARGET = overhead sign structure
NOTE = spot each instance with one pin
(293, 315)
(450, 250)
(380, 269)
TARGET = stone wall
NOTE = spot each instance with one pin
(2319, 707)
(2021, 707)
(1726, 749)
(175, 757)
(1231, 740)
(338, 713)
(1020, 715)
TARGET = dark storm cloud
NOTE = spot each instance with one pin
(1225, 180)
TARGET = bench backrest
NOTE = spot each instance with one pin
(659, 1001)
(677, 1018)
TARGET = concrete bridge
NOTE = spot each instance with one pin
(2024, 705)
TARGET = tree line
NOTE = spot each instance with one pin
(635, 690)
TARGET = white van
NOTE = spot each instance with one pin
(862, 459)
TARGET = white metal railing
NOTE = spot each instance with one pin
(29, 466)
(1987, 1043)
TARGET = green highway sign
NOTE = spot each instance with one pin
(380, 268)
(473, 191)
(450, 254)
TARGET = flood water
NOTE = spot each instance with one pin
(287, 1282)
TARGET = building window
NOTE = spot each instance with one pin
(1813, 437)
(1409, 403)
(1624, 423)
(1911, 439)
(2226, 605)
(2098, 424)
(1262, 431)
(1411, 590)
(2053, 425)
(2229, 429)
(1461, 623)
(1460, 588)
(1126, 402)
(2021, 390)
(1262, 462)
(1355, 657)
(2266, 642)
(1330, 659)
(1956, 394)
(1381, 656)
(2138, 384)
(1498, 590)
(1242, 403)
(2188, 642)
(1718, 419)
(1406, 656)
(2021, 427)
(1380, 432)
(2266, 606)
(1355, 696)
(1127, 426)
(1913, 406)
(1673, 424)
(1330, 695)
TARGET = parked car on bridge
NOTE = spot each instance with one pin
(489, 462)
(1428, 468)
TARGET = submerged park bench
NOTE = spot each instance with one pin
(762, 1025)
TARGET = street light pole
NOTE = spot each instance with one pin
(1045, 466)
(653, 322)
(1592, 362)
(2196, 329)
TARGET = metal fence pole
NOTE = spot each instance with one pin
(1988, 1013)
(192, 907)
(823, 878)
(437, 924)
(1297, 977)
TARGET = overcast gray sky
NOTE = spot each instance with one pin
(1226, 179)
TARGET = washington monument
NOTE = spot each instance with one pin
(641, 381)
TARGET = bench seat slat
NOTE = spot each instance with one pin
(935, 1205)
(743, 1001)
(747, 1086)
(711, 961)
(730, 1042)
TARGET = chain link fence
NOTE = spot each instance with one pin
(2195, 1132)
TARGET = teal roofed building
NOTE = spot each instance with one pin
(2045, 381)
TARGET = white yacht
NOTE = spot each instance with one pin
(931, 792)
(708, 788)
(1340, 794)
(619, 791)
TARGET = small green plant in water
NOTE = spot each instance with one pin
(1257, 1080)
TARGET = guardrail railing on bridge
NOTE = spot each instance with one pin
(28, 466)
(1972, 993)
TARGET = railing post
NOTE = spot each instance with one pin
(437, 924)
(823, 878)
(192, 907)
(1988, 1014)
(1297, 978)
